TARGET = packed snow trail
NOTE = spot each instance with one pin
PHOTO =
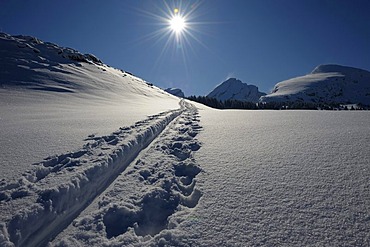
(149, 201)
(49, 196)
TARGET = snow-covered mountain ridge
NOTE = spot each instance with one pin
(237, 90)
(325, 84)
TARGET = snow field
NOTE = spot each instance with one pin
(249, 178)
(149, 201)
(46, 198)
(283, 178)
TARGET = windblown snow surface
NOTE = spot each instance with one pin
(186, 175)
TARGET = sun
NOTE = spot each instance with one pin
(177, 24)
(177, 28)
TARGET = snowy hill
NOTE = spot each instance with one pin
(235, 89)
(53, 97)
(29, 63)
(325, 84)
(69, 124)
(94, 156)
(175, 91)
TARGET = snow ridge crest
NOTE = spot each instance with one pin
(34, 46)
(336, 68)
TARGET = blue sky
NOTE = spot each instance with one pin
(260, 42)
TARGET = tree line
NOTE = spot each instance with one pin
(294, 105)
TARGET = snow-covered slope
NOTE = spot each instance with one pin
(69, 124)
(29, 63)
(52, 98)
(105, 173)
(325, 84)
(175, 91)
(235, 89)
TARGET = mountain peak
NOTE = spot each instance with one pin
(233, 80)
(234, 88)
(175, 91)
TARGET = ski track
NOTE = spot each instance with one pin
(46, 199)
(150, 199)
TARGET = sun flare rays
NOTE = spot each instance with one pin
(176, 31)
(175, 23)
